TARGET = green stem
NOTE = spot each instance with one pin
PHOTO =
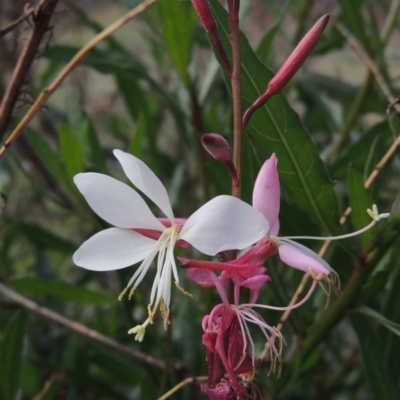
(236, 81)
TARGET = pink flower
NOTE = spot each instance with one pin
(266, 199)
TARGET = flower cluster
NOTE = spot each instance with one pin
(224, 223)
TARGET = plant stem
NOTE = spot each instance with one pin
(236, 81)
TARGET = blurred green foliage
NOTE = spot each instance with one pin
(152, 90)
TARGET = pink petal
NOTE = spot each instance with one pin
(201, 276)
(267, 193)
(295, 258)
(256, 282)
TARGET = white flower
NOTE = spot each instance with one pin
(224, 223)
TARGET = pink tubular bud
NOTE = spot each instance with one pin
(290, 66)
(207, 18)
(217, 146)
(298, 56)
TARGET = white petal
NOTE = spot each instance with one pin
(224, 223)
(112, 249)
(146, 181)
(115, 202)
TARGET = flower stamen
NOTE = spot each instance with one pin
(122, 294)
(183, 290)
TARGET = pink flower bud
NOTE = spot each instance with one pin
(298, 56)
(290, 66)
(217, 146)
(267, 193)
(207, 18)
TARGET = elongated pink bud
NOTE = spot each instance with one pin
(290, 66)
(207, 18)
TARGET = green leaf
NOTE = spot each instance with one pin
(11, 356)
(115, 62)
(47, 156)
(61, 290)
(359, 152)
(359, 203)
(371, 348)
(133, 94)
(96, 158)
(46, 239)
(136, 147)
(179, 26)
(352, 17)
(391, 311)
(72, 149)
(277, 128)
(392, 326)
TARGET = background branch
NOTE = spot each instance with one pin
(82, 53)
(79, 328)
(17, 22)
(41, 16)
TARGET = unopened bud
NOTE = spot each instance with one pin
(290, 66)
(298, 56)
(219, 149)
(217, 146)
(207, 18)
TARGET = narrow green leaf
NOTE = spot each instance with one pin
(96, 159)
(72, 149)
(391, 310)
(136, 147)
(277, 128)
(47, 156)
(61, 290)
(11, 356)
(359, 203)
(179, 26)
(46, 239)
(392, 326)
(132, 93)
(352, 17)
(371, 348)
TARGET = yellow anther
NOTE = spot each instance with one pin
(132, 292)
(183, 290)
(122, 294)
(165, 311)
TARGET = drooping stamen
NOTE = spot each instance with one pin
(301, 302)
